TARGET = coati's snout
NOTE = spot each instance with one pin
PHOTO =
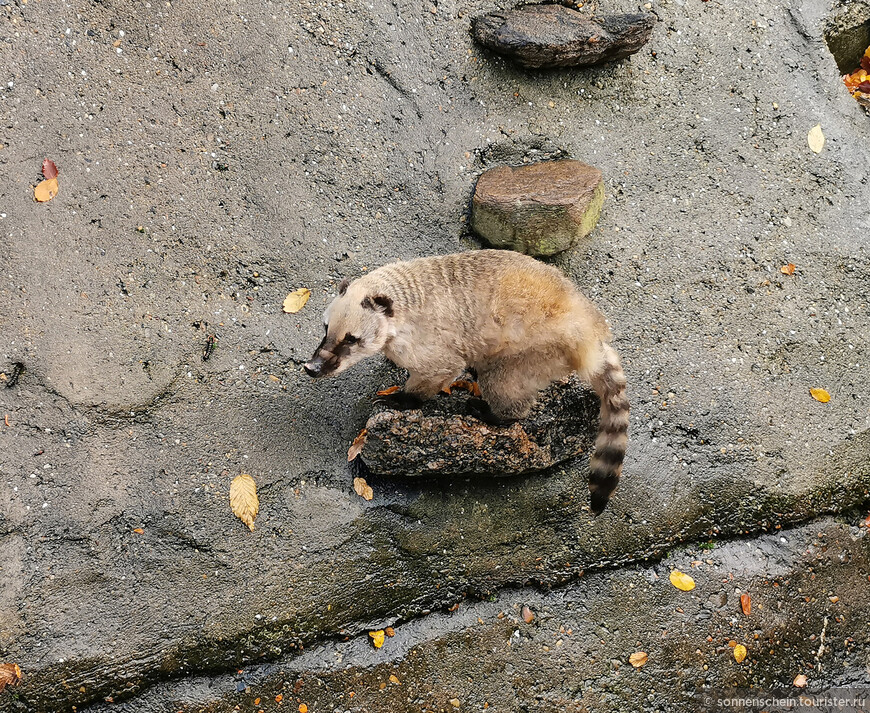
(356, 327)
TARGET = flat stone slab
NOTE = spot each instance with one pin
(439, 441)
(555, 36)
(539, 209)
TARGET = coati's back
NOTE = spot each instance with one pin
(495, 299)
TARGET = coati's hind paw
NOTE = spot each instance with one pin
(481, 411)
(400, 401)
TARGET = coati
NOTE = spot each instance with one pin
(517, 323)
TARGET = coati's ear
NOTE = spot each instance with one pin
(379, 303)
(342, 286)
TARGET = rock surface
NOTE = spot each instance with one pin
(436, 441)
(541, 36)
(359, 147)
(573, 656)
(540, 209)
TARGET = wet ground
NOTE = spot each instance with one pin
(214, 157)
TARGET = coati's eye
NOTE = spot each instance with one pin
(350, 339)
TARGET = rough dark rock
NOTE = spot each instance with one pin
(435, 440)
(540, 209)
(555, 36)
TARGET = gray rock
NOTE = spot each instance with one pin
(539, 209)
(438, 440)
(556, 36)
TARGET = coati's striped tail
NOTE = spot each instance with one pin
(612, 440)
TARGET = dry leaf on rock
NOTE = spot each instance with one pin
(788, 269)
(746, 604)
(10, 675)
(362, 488)
(357, 445)
(820, 395)
(800, 680)
(45, 190)
(739, 653)
(377, 638)
(816, 139)
(682, 581)
(243, 499)
(638, 659)
(49, 170)
(296, 300)
(528, 615)
(390, 631)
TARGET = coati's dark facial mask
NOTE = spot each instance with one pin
(329, 354)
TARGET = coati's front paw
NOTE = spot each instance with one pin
(400, 401)
(481, 411)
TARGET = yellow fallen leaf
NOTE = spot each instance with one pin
(394, 679)
(682, 581)
(816, 139)
(820, 395)
(362, 488)
(357, 445)
(638, 659)
(303, 708)
(10, 675)
(45, 190)
(739, 653)
(800, 680)
(377, 638)
(296, 300)
(243, 499)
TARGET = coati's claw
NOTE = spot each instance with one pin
(400, 401)
(482, 412)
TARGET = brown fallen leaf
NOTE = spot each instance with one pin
(471, 387)
(834, 599)
(638, 659)
(357, 445)
(279, 698)
(528, 614)
(363, 489)
(139, 531)
(244, 500)
(377, 638)
(788, 269)
(10, 675)
(45, 190)
(390, 631)
(739, 653)
(296, 300)
(800, 681)
(49, 170)
(746, 604)
(816, 139)
(682, 581)
(820, 395)
(389, 390)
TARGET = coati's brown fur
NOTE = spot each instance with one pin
(518, 323)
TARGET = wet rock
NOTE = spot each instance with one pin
(440, 440)
(539, 209)
(556, 36)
